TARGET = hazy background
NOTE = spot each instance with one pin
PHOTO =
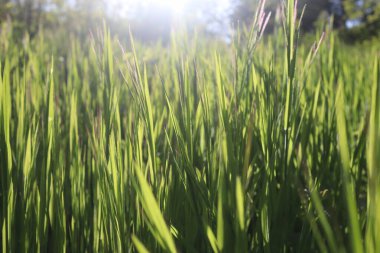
(152, 20)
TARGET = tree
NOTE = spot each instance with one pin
(313, 10)
(363, 19)
(5, 6)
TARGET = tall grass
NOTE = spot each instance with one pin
(263, 145)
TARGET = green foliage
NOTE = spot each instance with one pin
(368, 13)
(313, 12)
(263, 145)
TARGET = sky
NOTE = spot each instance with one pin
(214, 14)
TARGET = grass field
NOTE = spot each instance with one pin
(263, 145)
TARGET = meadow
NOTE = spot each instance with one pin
(266, 144)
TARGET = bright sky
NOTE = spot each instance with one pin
(214, 14)
(176, 7)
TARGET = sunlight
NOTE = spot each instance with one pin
(174, 7)
(159, 16)
(177, 7)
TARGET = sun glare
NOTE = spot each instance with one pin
(214, 15)
(176, 7)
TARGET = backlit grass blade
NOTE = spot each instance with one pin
(159, 228)
(373, 157)
(348, 185)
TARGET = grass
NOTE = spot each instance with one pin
(263, 145)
